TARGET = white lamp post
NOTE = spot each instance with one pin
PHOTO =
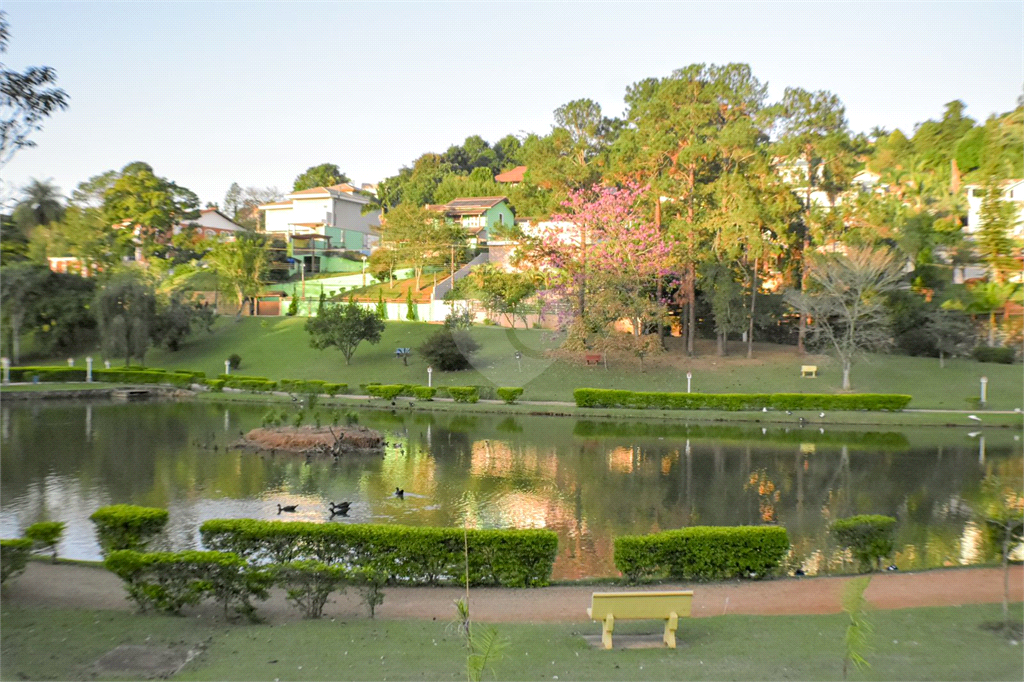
(227, 367)
(430, 377)
(106, 364)
(689, 375)
(88, 369)
(71, 362)
(984, 390)
(6, 364)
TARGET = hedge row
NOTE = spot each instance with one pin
(702, 552)
(125, 526)
(601, 397)
(509, 394)
(14, 554)
(999, 354)
(121, 375)
(392, 391)
(464, 394)
(514, 558)
(870, 537)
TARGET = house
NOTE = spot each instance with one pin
(512, 177)
(321, 223)
(867, 180)
(69, 265)
(478, 215)
(1012, 191)
(211, 223)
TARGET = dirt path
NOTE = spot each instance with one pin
(61, 585)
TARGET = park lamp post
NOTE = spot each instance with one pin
(984, 391)
(227, 367)
(88, 369)
(430, 377)
(5, 363)
(689, 375)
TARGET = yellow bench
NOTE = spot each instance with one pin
(669, 606)
(808, 369)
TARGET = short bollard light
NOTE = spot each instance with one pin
(227, 367)
(5, 363)
(430, 377)
(984, 391)
(689, 375)
(106, 364)
(71, 362)
(88, 369)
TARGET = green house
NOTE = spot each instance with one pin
(479, 216)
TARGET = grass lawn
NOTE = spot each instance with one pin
(278, 348)
(914, 644)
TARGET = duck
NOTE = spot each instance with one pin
(289, 508)
(400, 493)
(339, 509)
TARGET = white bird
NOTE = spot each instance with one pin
(821, 414)
(788, 412)
(974, 434)
(974, 417)
(763, 430)
(764, 409)
(820, 430)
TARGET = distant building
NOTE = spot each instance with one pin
(479, 216)
(512, 177)
(1012, 191)
(211, 223)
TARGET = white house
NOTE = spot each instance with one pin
(1012, 191)
(211, 223)
(332, 213)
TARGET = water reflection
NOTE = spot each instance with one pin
(587, 480)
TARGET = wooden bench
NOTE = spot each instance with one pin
(593, 358)
(808, 370)
(668, 606)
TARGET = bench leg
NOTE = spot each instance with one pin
(670, 630)
(606, 634)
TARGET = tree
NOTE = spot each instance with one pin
(952, 332)
(175, 318)
(448, 350)
(988, 298)
(233, 200)
(845, 301)
(344, 327)
(1001, 509)
(125, 309)
(26, 99)
(240, 267)
(503, 293)
(994, 246)
(151, 204)
(40, 205)
(324, 175)
(20, 286)
(418, 235)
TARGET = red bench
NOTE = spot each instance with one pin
(593, 358)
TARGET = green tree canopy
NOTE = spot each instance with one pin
(324, 175)
(344, 327)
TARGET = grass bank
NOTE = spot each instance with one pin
(913, 644)
(278, 348)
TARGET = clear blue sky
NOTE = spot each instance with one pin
(211, 93)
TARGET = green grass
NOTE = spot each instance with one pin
(913, 644)
(278, 348)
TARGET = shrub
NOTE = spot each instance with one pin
(410, 306)
(124, 526)
(308, 584)
(448, 351)
(703, 552)
(14, 556)
(509, 395)
(599, 397)
(1000, 354)
(869, 537)
(424, 392)
(371, 581)
(215, 385)
(293, 307)
(514, 558)
(234, 361)
(334, 389)
(389, 392)
(46, 534)
(461, 319)
(464, 394)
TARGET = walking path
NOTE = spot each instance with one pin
(86, 587)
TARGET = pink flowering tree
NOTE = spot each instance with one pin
(603, 259)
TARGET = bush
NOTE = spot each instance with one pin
(124, 526)
(1000, 354)
(448, 351)
(461, 319)
(255, 385)
(48, 373)
(509, 395)
(167, 581)
(215, 385)
(869, 537)
(234, 361)
(387, 392)
(46, 535)
(14, 556)
(703, 552)
(424, 392)
(334, 389)
(514, 558)
(293, 307)
(599, 397)
(464, 394)
(308, 584)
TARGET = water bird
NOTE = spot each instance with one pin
(294, 399)
(400, 493)
(821, 431)
(821, 414)
(891, 567)
(974, 417)
(764, 409)
(974, 434)
(789, 413)
(339, 509)
(799, 571)
(289, 508)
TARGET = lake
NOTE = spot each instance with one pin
(587, 480)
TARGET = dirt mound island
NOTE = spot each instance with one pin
(328, 440)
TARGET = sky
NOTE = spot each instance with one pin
(210, 93)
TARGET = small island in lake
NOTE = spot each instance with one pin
(325, 440)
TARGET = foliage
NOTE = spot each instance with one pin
(871, 538)
(125, 309)
(370, 580)
(234, 361)
(324, 175)
(1000, 354)
(509, 394)
(410, 306)
(46, 534)
(150, 206)
(20, 288)
(464, 394)
(600, 397)
(293, 307)
(447, 350)
(418, 236)
(503, 293)
(486, 646)
(124, 526)
(424, 392)
(460, 318)
(510, 557)
(26, 99)
(308, 584)
(344, 327)
(951, 331)
(382, 307)
(386, 392)
(14, 555)
(173, 321)
(703, 552)
(1001, 508)
(855, 641)
(240, 266)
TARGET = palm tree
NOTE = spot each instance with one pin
(989, 298)
(41, 205)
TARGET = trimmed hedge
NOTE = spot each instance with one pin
(870, 537)
(128, 375)
(509, 394)
(386, 391)
(316, 386)
(255, 385)
(464, 394)
(703, 553)
(600, 397)
(14, 554)
(125, 526)
(215, 385)
(334, 389)
(1000, 354)
(424, 392)
(46, 535)
(167, 581)
(514, 558)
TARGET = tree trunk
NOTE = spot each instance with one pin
(720, 338)
(16, 337)
(846, 375)
(753, 300)
(942, 360)
(660, 291)
(992, 329)
(691, 293)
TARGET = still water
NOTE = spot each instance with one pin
(587, 480)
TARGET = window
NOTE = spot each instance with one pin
(501, 218)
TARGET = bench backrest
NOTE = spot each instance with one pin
(640, 604)
(808, 368)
